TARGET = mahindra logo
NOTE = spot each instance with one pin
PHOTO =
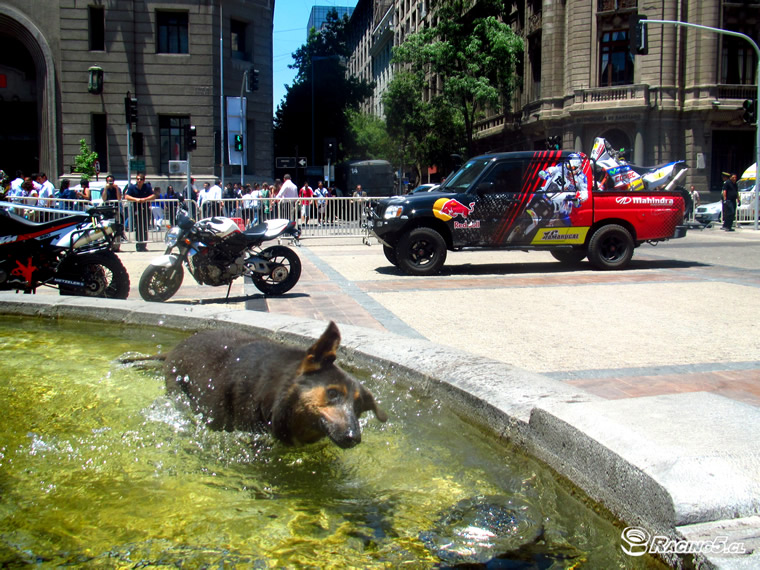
(623, 200)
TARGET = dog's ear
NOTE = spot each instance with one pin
(368, 404)
(323, 352)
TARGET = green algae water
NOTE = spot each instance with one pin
(99, 468)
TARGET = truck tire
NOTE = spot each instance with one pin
(569, 256)
(390, 254)
(421, 252)
(610, 247)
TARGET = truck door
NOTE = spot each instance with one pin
(498, 198)
(558, 210)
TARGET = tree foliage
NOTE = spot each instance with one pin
(320, 85)
(84, 162)
(472, 53)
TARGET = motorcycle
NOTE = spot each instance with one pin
(73, 253)
(216, 252)
(614, 173)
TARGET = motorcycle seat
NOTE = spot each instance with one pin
(257, 231)
(642, 170)
(15, 224)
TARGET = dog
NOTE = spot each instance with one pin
(238, 381)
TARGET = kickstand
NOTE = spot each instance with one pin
(229, 288)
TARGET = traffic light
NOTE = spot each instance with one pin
(190, 141)
(330, 149)
(553, 143)
(750, 111)
(253, 79)
(637, 34)
(130, 109)
(239, 143)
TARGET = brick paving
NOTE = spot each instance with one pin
(505, 305)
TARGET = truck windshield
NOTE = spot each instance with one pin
(463, 178)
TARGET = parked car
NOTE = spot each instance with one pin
(425, 188)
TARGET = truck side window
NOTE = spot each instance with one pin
(504, 178)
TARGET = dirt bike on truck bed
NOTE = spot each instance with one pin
(539, 200)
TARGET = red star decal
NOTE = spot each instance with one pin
(25, 271)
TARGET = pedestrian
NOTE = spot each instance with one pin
(213, 202)
(321, 193)
(695, 201)
(46, 191)
(190, 192)
(140, 194)
(266, 204)
(306, 193)
(730, 196)
(84, 185)
(289, 192)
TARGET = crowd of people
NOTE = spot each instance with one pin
(148, 207)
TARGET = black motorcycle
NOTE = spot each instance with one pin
(216, 252)
(73, 253)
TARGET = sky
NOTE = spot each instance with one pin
(290, 20)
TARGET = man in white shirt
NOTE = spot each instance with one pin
(46, 190)
(212, 201)
(287, 191)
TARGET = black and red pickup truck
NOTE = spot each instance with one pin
(540, 200)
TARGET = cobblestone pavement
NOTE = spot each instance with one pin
(684, 317)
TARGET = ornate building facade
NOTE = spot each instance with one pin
(581, 80)
(67, 66)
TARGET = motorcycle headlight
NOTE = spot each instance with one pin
(393, 212)
(172, 236)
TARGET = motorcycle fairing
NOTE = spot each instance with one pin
(14, 228)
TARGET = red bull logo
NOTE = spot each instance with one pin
(445, 209)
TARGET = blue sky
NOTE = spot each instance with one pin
(290, 20)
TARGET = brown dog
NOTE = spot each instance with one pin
(242, 382)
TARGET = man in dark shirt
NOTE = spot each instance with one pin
(140, 195)
(730, 195)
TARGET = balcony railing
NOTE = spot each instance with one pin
(615, 5)
(637, 94)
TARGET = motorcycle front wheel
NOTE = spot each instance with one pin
(284, 271)
(158, 284)
(102, 273)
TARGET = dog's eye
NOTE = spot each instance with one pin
(333, 394)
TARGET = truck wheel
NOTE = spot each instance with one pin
(422, 251)
(390, 255)
(610, 247)
(569, 256)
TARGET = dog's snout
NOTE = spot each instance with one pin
(349, 438)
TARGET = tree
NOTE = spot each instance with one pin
(369, 137)
(84, 162)
(321, 83)
(423, 132)
(474, 55)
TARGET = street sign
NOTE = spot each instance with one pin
(285, 162)
(301, 162)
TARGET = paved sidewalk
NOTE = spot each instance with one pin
(658, 328)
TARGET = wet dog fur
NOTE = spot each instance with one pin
(238, 381)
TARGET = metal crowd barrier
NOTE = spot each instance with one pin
(317, 217)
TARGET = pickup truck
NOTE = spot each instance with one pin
(539, 200)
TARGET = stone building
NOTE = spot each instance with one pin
(166, 53)
(580, 79)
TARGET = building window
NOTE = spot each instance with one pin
(100, 139)
(97, 30)
(739, 62)
(616, 61)
(237, 39)
(171, 134)
(172, 32)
